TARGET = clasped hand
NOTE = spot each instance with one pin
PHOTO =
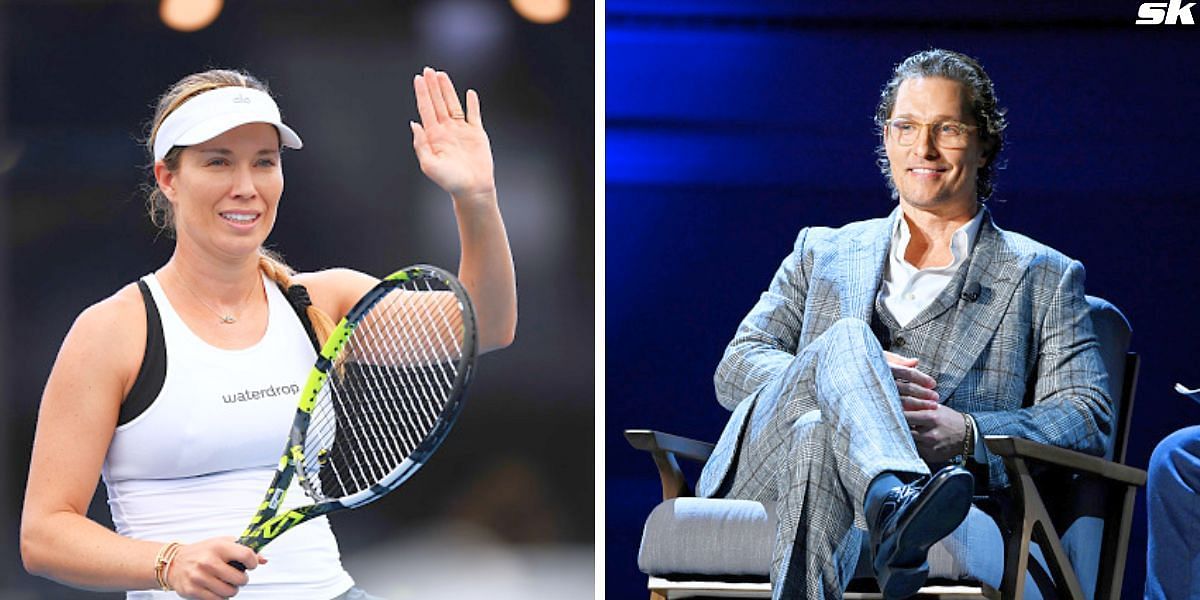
(937, 430)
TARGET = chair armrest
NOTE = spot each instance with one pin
(1015, 447)
(664, 448)
(654, 441)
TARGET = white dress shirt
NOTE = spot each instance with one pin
(907, 290)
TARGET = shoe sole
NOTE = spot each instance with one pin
(938, 513)
(940, 510)
(902, 583)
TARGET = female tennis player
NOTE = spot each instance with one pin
(179, 388)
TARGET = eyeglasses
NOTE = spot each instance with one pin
(948, 135)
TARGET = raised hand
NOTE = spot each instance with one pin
(450, 143)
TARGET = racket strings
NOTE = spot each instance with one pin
(365, 421)
(363, 425)
(386, 391)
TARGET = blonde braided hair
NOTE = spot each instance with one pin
(278, 271)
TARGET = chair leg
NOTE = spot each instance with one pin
(1115, 546)
(1035, 525)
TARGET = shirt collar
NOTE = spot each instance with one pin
(961, 241)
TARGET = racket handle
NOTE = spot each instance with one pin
(245, 542)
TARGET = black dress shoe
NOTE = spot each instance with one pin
(912, 518)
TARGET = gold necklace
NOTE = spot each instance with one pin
(226, 319)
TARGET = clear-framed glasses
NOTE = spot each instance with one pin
(949, 135)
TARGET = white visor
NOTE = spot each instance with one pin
(212, 113)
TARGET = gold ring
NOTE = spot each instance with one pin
(459, 116)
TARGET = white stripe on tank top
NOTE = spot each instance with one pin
(196, 463)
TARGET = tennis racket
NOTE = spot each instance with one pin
(385, 390)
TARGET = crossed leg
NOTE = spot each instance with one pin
(815, 438)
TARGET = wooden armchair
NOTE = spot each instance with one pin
(1064, 525)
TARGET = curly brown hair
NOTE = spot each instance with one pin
(980, 99)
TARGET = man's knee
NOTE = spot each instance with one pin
(1176, 459)
(844, 336)
(852, 331)
(850, 336)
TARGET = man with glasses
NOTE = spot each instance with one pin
(863, 380)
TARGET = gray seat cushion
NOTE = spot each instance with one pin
(705, 536)
(734, 538)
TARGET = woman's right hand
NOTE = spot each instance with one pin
(201, 571)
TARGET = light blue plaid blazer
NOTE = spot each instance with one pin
(1022, 359)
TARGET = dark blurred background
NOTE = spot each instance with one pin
(512, 490)
(731, 125)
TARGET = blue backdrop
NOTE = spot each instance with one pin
(730, 127)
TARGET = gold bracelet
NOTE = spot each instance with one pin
(968, 437)
(170, 561)
(161, 562)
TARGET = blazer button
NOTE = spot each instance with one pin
(898, 342)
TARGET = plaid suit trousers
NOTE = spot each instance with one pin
(815, 439)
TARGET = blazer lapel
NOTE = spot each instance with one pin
(997, 269)
(864, 262)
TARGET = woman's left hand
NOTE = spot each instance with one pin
(455, 153)
(451, 144)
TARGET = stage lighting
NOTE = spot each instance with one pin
(189, 15)
(543, 12)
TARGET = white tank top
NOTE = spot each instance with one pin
(196, 463)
